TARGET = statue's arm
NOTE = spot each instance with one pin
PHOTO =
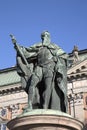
(32, 49)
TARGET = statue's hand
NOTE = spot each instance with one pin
(13, 39)
(54, 59)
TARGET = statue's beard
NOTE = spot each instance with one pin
(45, 41)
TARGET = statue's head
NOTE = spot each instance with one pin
(45, 36)
(75, 48)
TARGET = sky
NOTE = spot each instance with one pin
(66, 20)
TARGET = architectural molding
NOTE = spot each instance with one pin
(5, 91)
(80, 67)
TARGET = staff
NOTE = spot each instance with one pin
(18, 48)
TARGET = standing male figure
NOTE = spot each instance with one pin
(44, 70)
(44, 63)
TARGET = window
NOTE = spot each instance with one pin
(3, 112)
(3, 126)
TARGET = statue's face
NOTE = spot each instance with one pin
(45, 34)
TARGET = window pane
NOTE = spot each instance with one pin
(3, 126)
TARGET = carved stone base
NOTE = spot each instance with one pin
(44, 120)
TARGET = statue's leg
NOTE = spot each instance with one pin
(48, 87)
(34, 81)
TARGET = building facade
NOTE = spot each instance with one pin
(12, 96)
(13, 99)
(77, 86)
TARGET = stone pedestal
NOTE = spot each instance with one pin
(44, 120)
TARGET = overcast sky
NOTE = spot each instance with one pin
(66, 20)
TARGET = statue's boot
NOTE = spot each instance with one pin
(30, 105)
(29, 108)
(45, 106)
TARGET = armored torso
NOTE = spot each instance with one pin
(44, 56)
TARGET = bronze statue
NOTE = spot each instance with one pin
(43, 70)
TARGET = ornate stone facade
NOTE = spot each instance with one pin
(77, 87)
(12, 97)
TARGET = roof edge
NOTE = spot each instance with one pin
(80, 52)
(8, 69)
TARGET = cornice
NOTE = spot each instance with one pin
(80, 52)
(8, 69)
(77, 76)
(78, 68)
(10, 90)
